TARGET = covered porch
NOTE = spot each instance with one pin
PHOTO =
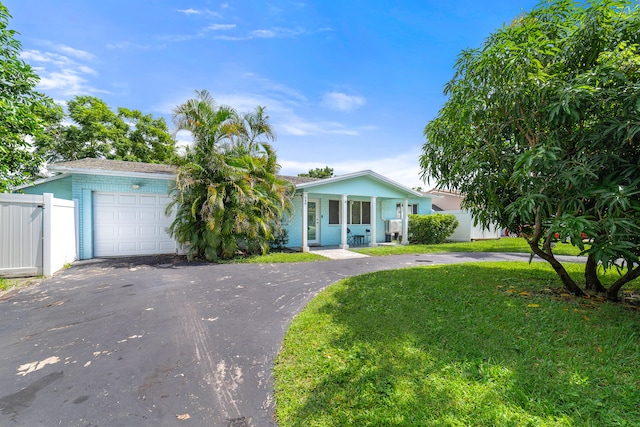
(350, 233)
(350, 210)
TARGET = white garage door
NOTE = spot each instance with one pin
(130, 224)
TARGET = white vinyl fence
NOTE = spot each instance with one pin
(467, 232)
(37, 234)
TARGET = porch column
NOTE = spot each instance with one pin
(345, 220)
(405, 222)
(305, 222)
(374, 220)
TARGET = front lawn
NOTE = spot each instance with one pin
(507, 244)
(486, 344)
(279, 257)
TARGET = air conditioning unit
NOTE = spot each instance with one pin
(393, 226)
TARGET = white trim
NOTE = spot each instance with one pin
(305, 219)
(405, 222)
(169, 177)
(343, 224)
(42, 181)
(373, 221)
(359, 174)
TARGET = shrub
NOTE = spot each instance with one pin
(429, 229)
(280, 239)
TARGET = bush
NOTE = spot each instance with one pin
(280, 239)
(430, 229)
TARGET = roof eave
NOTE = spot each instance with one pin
(358, 174)
(41, 181)
(67, 170)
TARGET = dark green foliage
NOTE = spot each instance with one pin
(96, 131)
(541, 133)
(321, 173)
(24, 113)
(280, 239)
(431, 229)
(228, 198)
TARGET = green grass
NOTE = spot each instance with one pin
(486, 344)
(4, 284)
(507, 244)
(280, 257)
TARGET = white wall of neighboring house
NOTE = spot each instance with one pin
(445, 200)
(37, 234)
(466, 231)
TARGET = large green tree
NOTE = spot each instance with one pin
(321, 173)
(228, 198)
(541, 133)
(24, 113)
(95, 130)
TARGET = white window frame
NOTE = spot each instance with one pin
(413, 209)
(349, 207)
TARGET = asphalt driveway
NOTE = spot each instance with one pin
(160, 341)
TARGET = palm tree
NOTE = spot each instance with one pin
(228, 197)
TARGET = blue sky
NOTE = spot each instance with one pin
(347, 84)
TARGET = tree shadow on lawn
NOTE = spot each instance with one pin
(472, 344)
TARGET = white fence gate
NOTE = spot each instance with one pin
(37, 234)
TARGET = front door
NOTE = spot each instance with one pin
(313, 222)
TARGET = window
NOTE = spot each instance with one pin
(334, 211)
(358, 212)
(413, 209)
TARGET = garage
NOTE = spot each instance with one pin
(127, 224)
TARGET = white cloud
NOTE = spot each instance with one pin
(127, 45)
(87, 70)
(203, 12)
(77, 53)
(262, 34)
(62, 75)
(285, 119)
(189, 11)
(276, 32)
(282, 111)
(218, 27)
(341, 101)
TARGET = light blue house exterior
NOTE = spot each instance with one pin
(123, 229)
(352, 209)
(121, 207)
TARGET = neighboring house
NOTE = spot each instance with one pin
(449, 202)
(445, 200)
(121, 207)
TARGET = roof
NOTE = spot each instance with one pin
(365, 173)
(297, 180)
(444, 192)
(93, 166)
(96, 166)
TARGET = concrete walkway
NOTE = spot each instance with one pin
(338, 253)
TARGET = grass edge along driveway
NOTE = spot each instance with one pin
(459, 345)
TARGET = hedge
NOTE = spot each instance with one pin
(430, 229)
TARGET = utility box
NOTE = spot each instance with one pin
(393, 226)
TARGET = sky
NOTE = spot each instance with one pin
(347, 84)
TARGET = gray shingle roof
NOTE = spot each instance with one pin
(115, 165)
(295, 180)
(138, 167)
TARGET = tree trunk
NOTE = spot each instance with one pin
(566, 280)
(614, 289)
(591, 276)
